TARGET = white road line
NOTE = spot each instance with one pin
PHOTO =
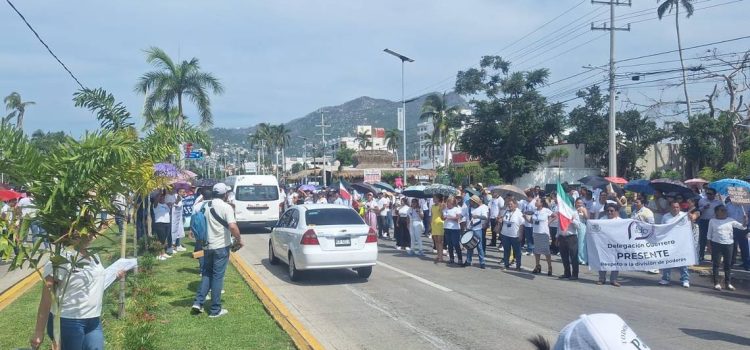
(425, 334)
(420, 279)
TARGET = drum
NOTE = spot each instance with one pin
(469, 241)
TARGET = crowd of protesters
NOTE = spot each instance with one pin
(528, 225)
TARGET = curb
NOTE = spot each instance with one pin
(301, 337)
(11, 294)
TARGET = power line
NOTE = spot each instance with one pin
(44, 43)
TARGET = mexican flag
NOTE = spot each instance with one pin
(565, 208)
(345, 195)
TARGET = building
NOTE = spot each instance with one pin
(429, 151)
(566, 169)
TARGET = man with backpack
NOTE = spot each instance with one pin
(220, 227)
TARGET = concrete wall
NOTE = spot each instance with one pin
(662, 157)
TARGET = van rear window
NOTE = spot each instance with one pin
(256, 193)
(332, 216)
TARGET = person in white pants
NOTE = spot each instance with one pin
(416, 227)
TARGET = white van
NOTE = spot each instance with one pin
(256, 199)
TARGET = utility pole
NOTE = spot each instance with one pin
(612, 29)
(323, 134)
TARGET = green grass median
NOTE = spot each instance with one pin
(158, 311)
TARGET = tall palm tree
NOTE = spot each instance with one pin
(262, 140)
(172, 82)
(668, 5)
(363, 139)
(17, 108)
(429, 147)
(281, 138)
(435, 108)
(392, 137)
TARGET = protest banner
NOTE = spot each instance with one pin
(629, 245)
(739, 195)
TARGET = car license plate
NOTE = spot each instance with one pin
(343, 242)
(257, 212)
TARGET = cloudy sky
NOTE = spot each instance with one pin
(280, 60)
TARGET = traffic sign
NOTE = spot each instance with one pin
(195, 155)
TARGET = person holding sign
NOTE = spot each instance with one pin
(613, 213)
(674, 215)
(720, 234)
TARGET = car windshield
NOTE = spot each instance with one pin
(256, 193)
(332, 216)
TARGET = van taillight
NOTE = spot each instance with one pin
(309, 238)
(372, 236)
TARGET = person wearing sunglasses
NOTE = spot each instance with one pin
(613, 213)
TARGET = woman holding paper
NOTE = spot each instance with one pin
(612, 213)
(81, 303)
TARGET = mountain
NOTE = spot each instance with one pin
(343, 120)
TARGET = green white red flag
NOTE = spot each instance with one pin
(564, 208)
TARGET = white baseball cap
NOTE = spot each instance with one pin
(599, 331)
(220, 188)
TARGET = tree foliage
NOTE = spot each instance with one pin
(345, 156)
(636, 134)
(16, 107)
(512, 122)
(589, 125)
(700, 142)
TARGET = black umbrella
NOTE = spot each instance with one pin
(362, 187)
(472, 191)
(668, 185)
(205, 182)
(384, 186)
(415, 192)
(594, 181)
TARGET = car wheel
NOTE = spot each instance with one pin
(294, 274)
(271, 256)
(364, 272)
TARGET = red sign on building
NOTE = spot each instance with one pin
(379, 133)
(463, 157)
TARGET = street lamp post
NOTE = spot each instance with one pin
(403, 59)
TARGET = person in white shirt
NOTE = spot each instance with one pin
(613, 213)
(222, 228)
(478, 215)
(674, 215)
(540, 225)
(337, 199)
(81, 294)
(707, 207)
(452, 230)
(596, 211)
(567, 244)
(425, 204)
(497, 209)
(415, 221)
(720, 234)
(401, 225)
(511, 225)
(659, 205)
(383, 207)
(322, 199)
(371, 213)
(642, 213)
(528, 208)
(161, 226)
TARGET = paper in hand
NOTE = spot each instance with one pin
(121, 264)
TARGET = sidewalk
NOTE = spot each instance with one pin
(9, 278)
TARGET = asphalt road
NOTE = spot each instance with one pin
(411, 303)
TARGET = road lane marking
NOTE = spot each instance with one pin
(425, 334)
(420, 279)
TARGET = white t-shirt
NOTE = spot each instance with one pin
(464, 213)
(527, 207)
(161, 213)
(668, 218)
(721, 230)
(384, 203)
(451, 224)
(424, 204)
(28, 209)
(413, 215)
(497, 206)
(596, 210)
(645, 215)
(480, 211)
(403, 211)
(322, 200)
(512, 221)
(218, 235)
(540, 220)
(170, 198)
(372, 205)
(339, 201)
(83, 296)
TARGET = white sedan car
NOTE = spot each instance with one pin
(323, 236)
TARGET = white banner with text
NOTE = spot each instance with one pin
(629, 245)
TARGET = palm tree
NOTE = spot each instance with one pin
(363, 139)
(429, 147)
(668, 5)
(280, 139)
(558, 154)
(392, 137)
(170, 83)
(17, 108)
(262, 139)
(436, 108)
